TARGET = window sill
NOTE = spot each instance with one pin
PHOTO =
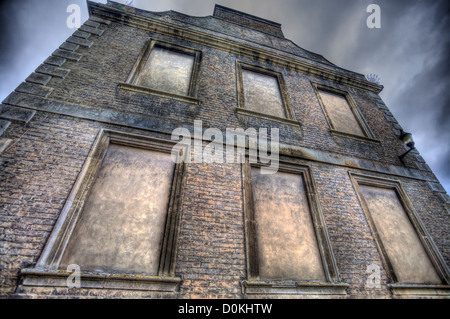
(281, 120)
(263, 288)
(417, 290)
(353, 136)
(58, 278)
(145, 90)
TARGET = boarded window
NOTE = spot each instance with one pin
(286, 240)
(168, 71)
(401, 243)
(122, 223)
(340, 113)
(262, 93)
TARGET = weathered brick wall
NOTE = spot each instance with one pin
(38, 171)
(52, 150)
(45, 157)
(211, 254)
(353, 243)
(248, 21)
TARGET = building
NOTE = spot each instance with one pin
(160, 155)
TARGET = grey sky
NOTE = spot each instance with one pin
(409, 53)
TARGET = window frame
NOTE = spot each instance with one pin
(241, 109)
(47, 272)
(368, 134)
(255, 285)
(130, 82)
(418, 226)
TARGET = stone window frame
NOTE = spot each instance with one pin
(256, 286)
(47, 272)
(241, 109)
(368, 134)
(430, 247)
(130, 83)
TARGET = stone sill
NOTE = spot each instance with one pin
(145, 90)
(263, 116)
(58, 278)
(293, 288)
(416, 290)
(353, 136)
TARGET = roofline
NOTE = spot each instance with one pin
(276, 24)
(353, 79)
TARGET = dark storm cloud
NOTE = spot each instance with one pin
(409, 53)
(7, 29)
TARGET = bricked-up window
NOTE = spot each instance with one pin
(122, 215)
(165, 68)
(262, 92)
(287, 246)
(407, 250)
(341, 113)
(286, 236)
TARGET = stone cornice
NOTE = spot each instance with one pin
(224, 43)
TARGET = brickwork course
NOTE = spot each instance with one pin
(50, 123)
